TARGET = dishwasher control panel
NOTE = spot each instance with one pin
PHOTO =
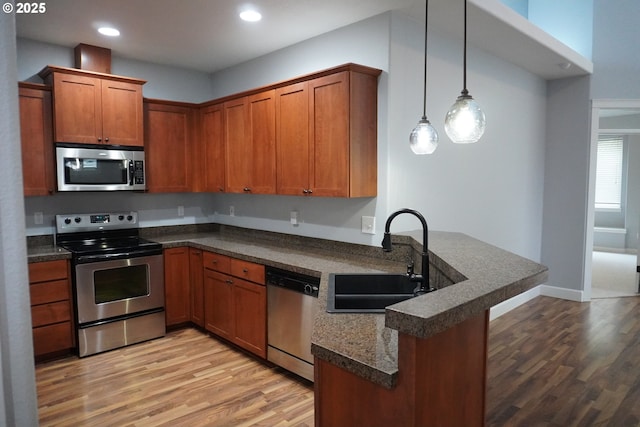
(297, 282)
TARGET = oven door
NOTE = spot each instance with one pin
(107, 289)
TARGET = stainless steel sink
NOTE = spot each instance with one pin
(367, 293)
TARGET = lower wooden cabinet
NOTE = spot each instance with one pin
(226, 296)
(196, 275)
(51, 313)
(235, 308)
(177, 302)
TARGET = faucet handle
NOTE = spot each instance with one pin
(410, 266)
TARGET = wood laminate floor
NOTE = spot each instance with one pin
(551, 363)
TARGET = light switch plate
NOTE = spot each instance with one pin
(232, 211)
(180, 211)
(294, 218)
(38, 218)
(369, 224)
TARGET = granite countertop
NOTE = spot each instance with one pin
(367, 344)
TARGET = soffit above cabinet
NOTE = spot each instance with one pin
(499, 30)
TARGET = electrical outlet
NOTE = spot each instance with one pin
(180, 211)
(232, 211)
(38, 218)
(294, 218)
(369, 224)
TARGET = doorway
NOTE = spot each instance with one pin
(612, 249)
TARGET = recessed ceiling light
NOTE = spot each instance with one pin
(250, 15)
(109, 31)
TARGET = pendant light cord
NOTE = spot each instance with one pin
(465, 92)
(426, 22)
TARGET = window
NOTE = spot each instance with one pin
(609, 173)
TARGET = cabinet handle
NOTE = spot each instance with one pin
(245, 270)
(229, 281)
(310, 191)
(305, 191)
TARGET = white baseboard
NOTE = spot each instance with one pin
(563, 293)
(508, 305)
(545, 290)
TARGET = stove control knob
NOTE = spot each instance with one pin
(77, 219)
(129, 217)
(67, 221)
(121, 217)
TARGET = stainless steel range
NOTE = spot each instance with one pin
(118, 280)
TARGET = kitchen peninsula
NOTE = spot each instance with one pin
(423, 362)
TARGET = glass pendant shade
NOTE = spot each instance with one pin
(423, 138)
(465, 122)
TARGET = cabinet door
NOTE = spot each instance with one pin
(176, 286)
(36, 141)
(237, 146)
(262, 136)
(77, 108)
(218, 303)
(213, 151)
(122, 113)
(250, 307)
(196, 275)
(329, 135)
(292, 121)
(168, 131)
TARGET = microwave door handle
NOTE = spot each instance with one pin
(131, 172)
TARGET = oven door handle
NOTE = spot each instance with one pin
(85, 259)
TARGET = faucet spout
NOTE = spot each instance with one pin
(425, 286)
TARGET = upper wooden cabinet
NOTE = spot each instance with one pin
(169, 146)
(327, 135)
(212, 148)
(36, 140)
(95, 108)
(250, 144)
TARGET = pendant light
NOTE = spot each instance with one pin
(424, 138)
(465, 122)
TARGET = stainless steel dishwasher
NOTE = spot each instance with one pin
(292, 301)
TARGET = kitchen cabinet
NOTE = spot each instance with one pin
(212, 140)
(36, 133)
(51, 310)
(196, 280)
(236, 302)
(249, 126)
(95, 108)
(327, 135)
(169, 150)
(177, 286)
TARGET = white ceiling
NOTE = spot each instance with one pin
(205, 35)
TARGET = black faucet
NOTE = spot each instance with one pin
(423, 279)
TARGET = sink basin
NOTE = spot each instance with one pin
(367, 293)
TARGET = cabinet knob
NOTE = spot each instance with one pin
(220, 189)
(215, 261)
(229, 281)
(246, 189)
(99, 139)
(305, 191)
(106, 139)
(245, 270)
(310, 191)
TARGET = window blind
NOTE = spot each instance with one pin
(609, 173)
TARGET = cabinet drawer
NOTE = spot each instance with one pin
(247, 270)
(46, 314)
(44, 292)
(217, 262)
(48, 270)
(48, 339)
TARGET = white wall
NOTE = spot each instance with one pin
(491, 190)
(18, 404)
(163, 82)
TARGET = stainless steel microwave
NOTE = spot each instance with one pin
(99, 168)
